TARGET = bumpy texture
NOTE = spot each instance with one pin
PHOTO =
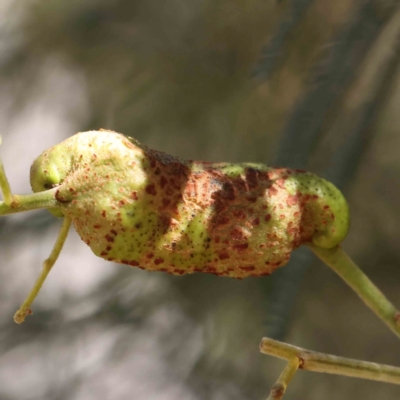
(144, 208)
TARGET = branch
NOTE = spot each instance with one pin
(344, 266)
(299, 358)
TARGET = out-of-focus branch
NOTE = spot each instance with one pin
(270, 56)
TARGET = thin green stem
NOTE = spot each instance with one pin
(25, 309)
(320, 362)
(344, 266)
(4, 184)
(28, 202)
(279, 389)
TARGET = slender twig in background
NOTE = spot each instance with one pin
(273, 50)
(321, 362)
(279, 389)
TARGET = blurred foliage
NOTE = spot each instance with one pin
(307, 84)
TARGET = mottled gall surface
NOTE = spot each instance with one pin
(144, 208)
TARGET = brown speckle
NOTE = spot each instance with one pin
(237, 234)
(281, 183)
(251, 178)
(151, 189)
(292, 200)
(109, 238)
(239, 214)
(272, 191)
(179, 271)
(166, 202)
(134, 196)
(221, 220)
(133, 263)
(223, 255)
(59, 198)
(163, 182)
(240, 247)
(247, 268)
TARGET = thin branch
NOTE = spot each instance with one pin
(327, 363)
(28, 202)
(344, 266)
(25, 309)
(4, 184)
(279, 389)
(271, 54)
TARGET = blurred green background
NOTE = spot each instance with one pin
(299, 83)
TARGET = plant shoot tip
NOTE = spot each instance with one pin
(21, 314)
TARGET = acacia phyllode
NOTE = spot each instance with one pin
(141, 207)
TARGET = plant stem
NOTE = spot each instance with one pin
(28, 202)
(344, 266)
(25, 310)
(279, 389)
(5, 185)
(320, 362)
